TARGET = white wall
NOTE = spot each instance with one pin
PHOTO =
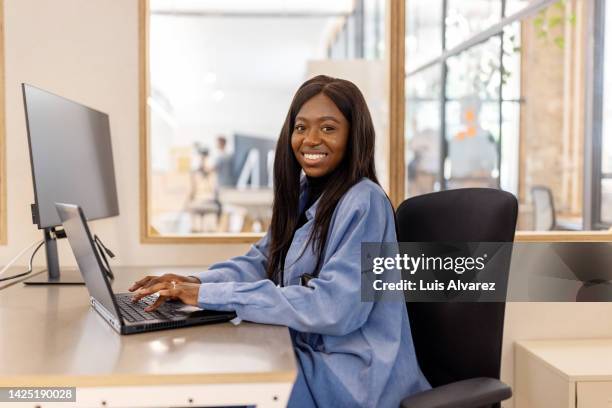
(86, 51)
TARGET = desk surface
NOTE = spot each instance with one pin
(16, 271)
(576, 360)
(49, 335)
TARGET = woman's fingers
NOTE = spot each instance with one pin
(163, 278)
(152, 280)
(142, 292)
(186, 292)
(163, 296)
(140, 283)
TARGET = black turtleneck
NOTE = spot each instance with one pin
(316, 186)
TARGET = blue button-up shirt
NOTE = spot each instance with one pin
(350, 353)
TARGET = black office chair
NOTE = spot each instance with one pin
(458, 345)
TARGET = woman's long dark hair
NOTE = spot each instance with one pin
(358, 162)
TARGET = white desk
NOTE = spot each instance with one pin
(49, 336)
(563, 373)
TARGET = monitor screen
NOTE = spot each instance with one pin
(71, 157)
(253, 154)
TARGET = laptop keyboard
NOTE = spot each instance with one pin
(134, 312)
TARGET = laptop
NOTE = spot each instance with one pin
(117, 308)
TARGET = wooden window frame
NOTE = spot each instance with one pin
(147, 233)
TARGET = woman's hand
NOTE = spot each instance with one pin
(169, 290)
(149, 281)
(170, 287)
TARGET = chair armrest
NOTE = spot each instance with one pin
(472, 393)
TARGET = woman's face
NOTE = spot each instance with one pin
(319, 137)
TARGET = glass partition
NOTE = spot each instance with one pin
(424, 34)
(472, 117)
(464, 18)
(605, 173)
(423, 150)
(511, 111)
(221, 76)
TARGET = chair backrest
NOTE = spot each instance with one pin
(457, 341)
(543, 208)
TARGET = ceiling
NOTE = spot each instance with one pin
(251, 6)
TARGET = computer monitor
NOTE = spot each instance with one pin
(252, 161)
(72, 162)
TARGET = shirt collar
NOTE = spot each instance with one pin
(310, 212)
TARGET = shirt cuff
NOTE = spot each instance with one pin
(214, 275)
(216, 296)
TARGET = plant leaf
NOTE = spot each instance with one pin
(555, 21)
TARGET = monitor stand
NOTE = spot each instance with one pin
(55, 276)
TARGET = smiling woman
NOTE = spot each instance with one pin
(217, 79)
(305, 272)
(328, 135)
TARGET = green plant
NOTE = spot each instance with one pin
(551, 17)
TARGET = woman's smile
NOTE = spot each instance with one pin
(314, 158)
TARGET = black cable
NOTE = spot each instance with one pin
(108, 251)
(29, 271)
(104, 251)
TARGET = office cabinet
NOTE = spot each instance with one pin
(563, 373)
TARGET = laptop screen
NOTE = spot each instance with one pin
(86, 256)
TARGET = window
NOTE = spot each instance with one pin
(3, 207)
(604, 172)
(424, 34)
(423, 132)
(495, 98)
(220, 79)
(464, 18)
